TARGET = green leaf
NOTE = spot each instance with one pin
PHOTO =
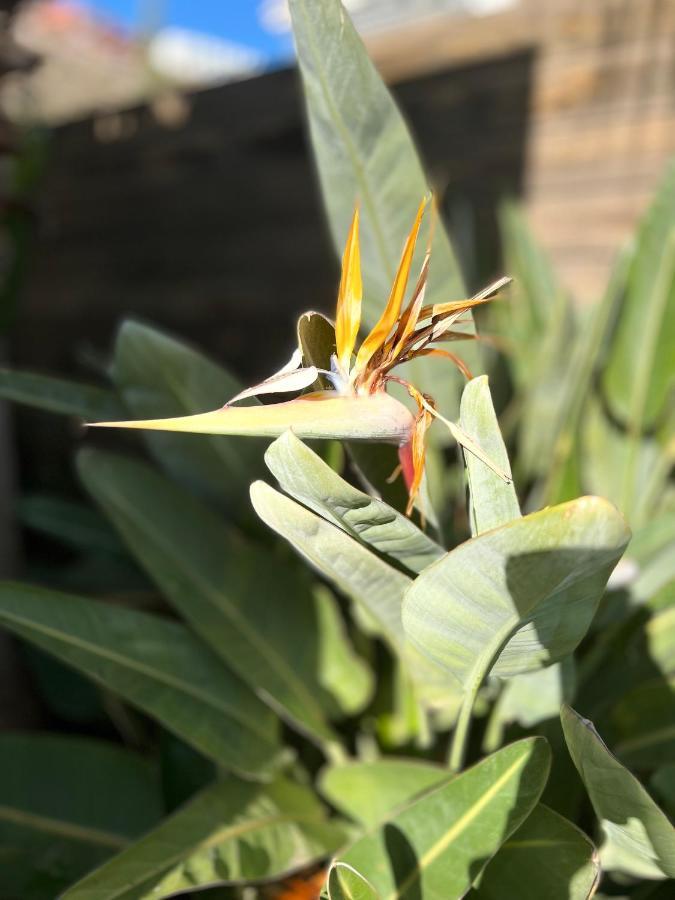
(641, 368)
(232, 831)
(531, 698)
(303, 475)
(639, 838)
(256, 612)
(159, 376)
(57, 395)
(519, 597)
(493, 501)
(547, 857)
(66, 804)
(368, 791)
(316, 339)
(361, 575)
(663, 782)
(365, 154)
(341, 671)
(643, 723)
(345, 883)
(437, 846)
(70, 523)
(156, 665)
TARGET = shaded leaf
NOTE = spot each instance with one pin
(547, 857)
(259, 618)
(66, 804)
(436, 847)
(70, 523)
(303, 475)
(531, 698)
(663, 782)
(57, 395)
(232, 831)
(156, 665)
(643, 723)
(160, 376)
(639, 838)
(519, 597)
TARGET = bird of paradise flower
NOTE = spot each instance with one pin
(356, 405)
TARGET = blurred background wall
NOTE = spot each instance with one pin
(195, 206)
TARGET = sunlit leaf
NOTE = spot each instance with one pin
(519, 597)
(639, 839)
(437, 846)
(369, 791)
(303, 475)
(232, 831)
(493, 501)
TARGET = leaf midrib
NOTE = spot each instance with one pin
(133, 665)
(226, 833)
(352, 151)
(267, 651)
(60, 827)
(460, 825)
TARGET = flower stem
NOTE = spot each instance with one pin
(481, 670)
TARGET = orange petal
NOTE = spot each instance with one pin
(392, 311)
(410, 316)
(348, 316)
(418, 457)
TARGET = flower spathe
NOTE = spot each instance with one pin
(357, 405)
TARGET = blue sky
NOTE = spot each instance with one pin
(235, 20)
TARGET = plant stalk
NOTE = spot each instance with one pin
(460, 735)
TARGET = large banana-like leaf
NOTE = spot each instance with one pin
(307, 478)
(548, 857)
(340, 670)
(641, 368)
(159, 376)
(255, 611)
(365, 154)
(66, 804)
(58, 395)
(375, 585)
(438, 845)
(493, 501)
(233, 831)
(519, 597)
(643, 722)
(155, 664)
(369, 791)
(639, 838)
